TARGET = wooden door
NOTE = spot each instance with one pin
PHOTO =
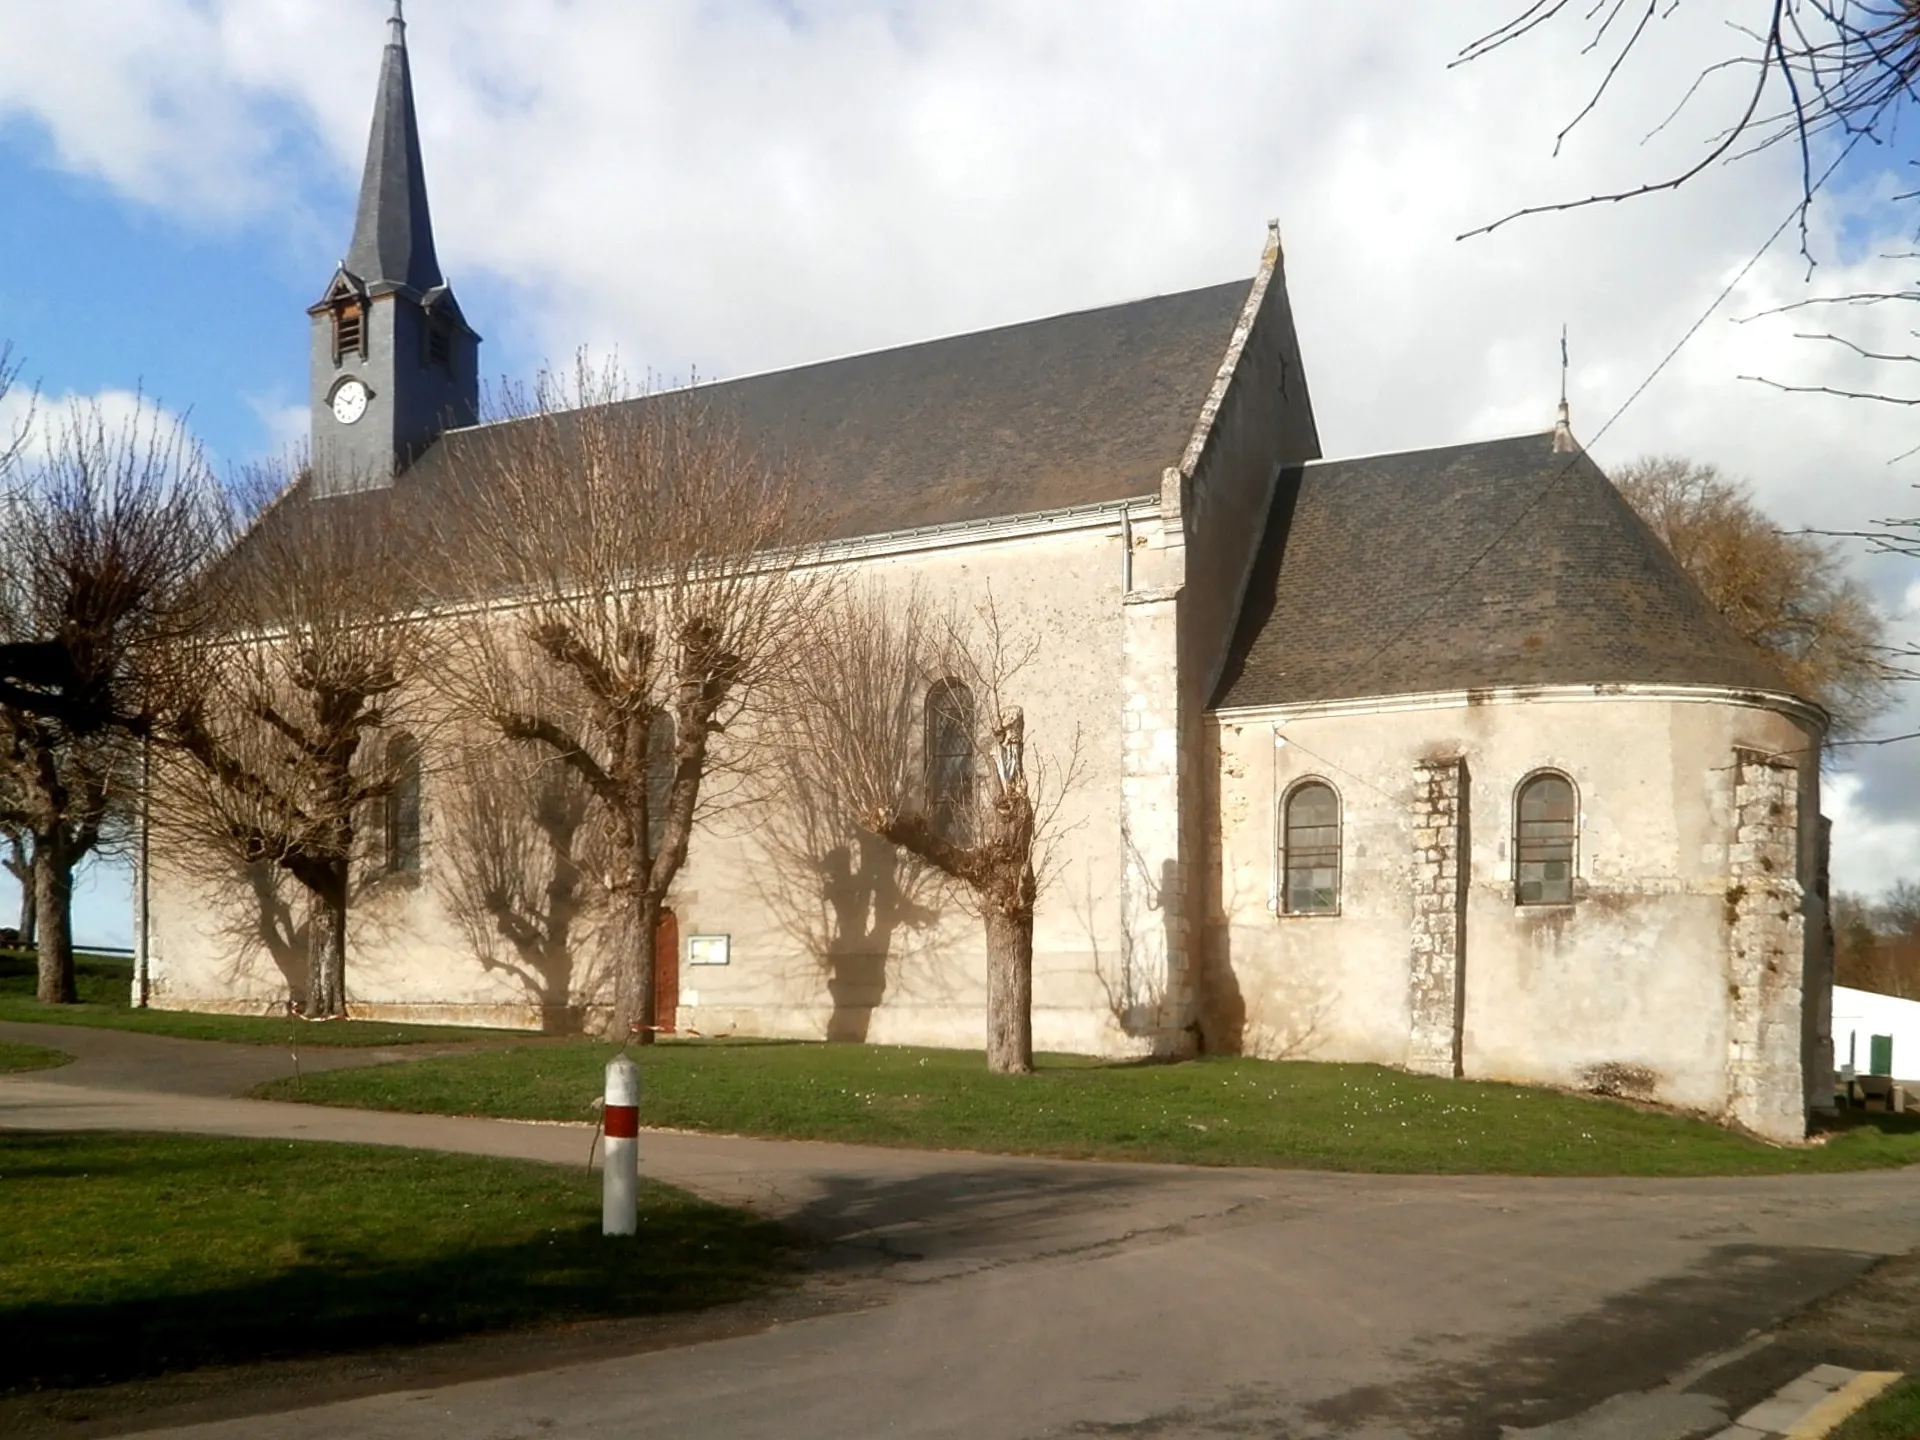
(666, 973)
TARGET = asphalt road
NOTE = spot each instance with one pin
(989, 1296)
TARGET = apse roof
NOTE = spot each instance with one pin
(1473, 566)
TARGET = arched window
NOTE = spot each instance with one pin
(950, 741)
(1310, 850)
(403, 805)
(1546, 829)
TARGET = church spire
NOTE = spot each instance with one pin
(394, 364)
(393, 231)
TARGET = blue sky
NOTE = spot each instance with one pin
(738, 187)
(98, 291)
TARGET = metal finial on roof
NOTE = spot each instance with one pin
(1563, 441)
(397, 25)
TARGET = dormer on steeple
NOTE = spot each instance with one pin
(394, 362)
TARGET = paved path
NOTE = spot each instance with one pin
(1030, 1298)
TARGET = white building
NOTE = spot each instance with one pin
(1860, 1015)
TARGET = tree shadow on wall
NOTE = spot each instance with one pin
(844, 896)
(1132, 971)
(867, 905)
(274, 917)
(274, 920)
(518, 851)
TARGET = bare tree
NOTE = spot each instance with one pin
(1877, 946)
(911, 717)
(103, 538)
(1820, 75)
(13, 440)
(652, 590)
(17, 860)
(286, 753)
(19, 863)
(1786, 593)
(520, 860)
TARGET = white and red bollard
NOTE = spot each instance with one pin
(620, 1180)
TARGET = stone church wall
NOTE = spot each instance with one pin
(816, 952)
(1640, 987)
(828, 936)
(1180, 617)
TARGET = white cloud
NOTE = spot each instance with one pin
(736, 187)
(1870, 850)
(286, 426)
(42, 418)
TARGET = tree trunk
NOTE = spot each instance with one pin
(635, 1006)
(53, 913)
(29, 911)
(327, 951)
(1009, 991)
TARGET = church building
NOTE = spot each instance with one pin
(1434, 759)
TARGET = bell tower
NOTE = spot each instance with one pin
(394, 362)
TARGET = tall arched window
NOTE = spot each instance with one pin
(950, 744)
(1310, 850)
(1546, 830)
(403, 805)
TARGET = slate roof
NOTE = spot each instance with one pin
(1474, 566)
(393, 228)
(1072, 410)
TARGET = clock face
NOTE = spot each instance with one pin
(350, 399)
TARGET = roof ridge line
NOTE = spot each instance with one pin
(841, 359)
(1272, 258)
(1429, 449)
(940, 339)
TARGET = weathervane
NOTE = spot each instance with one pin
(1563, 440)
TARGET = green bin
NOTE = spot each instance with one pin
(1880, 1055)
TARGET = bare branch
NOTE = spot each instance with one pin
(911, 721)
(650, 569)
(1833, 390)
(298, 706)
(1846, 70)
(100, 544)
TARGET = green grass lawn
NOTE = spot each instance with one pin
(131, 1256)
(105, 983)
(15, 1058)
(1895, 1415)
(1208, 1112)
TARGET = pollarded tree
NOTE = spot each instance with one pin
(1785, 593)
(305, 725)
(101, 543)
(910, 717)
(651, 591)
